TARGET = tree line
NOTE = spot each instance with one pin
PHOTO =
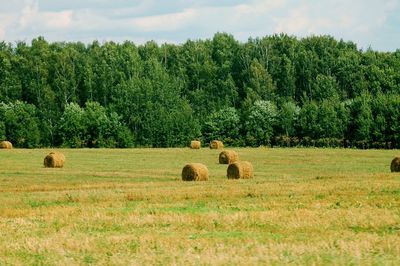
(276, 90)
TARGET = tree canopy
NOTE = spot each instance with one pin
(311, 91)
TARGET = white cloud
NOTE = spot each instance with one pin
(86, 20)
(300, 21)
(6, 21)
(28, 13)
(31, 18)
(57, 20)
(166, 22)
(257, 7)
(359, 20)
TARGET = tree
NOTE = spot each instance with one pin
(104, 129)
(21, 124)
(349, 74)
(343, 115)
(2, 130)
(379, 109)
(64, 70)
(324, 88)
(10, 85)
(222, 125)
(165, 95)
(361, 124)
(224, 51)
(308, 120)
(154, 110)
(95, 121)
(328, 120)
(72, 128)
(117, 134)
(287, 118)
(260, 123)
(259, 85)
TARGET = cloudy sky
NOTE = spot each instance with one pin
(374, 23)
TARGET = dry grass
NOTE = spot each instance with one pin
(228, 157)
(216, 144)
(195, 144)
(395, 165)
(130, 207)
(240, 170)
(195, 172)
(54, 160)
(6, 145)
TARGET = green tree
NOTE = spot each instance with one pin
(117, 134)
(161, 95)
(64, 72)
(72, 128)
(344, 116)
(95, 121)
(328, 120)
(308, 120)
(104, 129)
(361, 124)
(222, 125)
(349, 74)
(21, 124)
(259, 85)
(393, 119)
(10, 85)
(2, 129)
(379, 109)
(325, 87)
(154, 110)
(260, 123)
(287, 118)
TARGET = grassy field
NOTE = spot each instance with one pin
(130, 207)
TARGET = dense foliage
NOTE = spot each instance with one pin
(276, 90)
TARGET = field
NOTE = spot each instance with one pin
(130, 207)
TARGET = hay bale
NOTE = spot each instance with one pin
(228, 157)
(195, 172)
(195, 144)
(395, 165)
(240, 170)
(216, 144)
(54, 160)
(5, 145)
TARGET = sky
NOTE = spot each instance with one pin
(368, 23)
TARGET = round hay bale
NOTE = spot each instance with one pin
(195, 172)
(216, 144)
(240, 170)
(228, 157)
(54, 160)
(395, 165)
(5, 145)
(195, 144)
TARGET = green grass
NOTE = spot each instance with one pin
(130, 207)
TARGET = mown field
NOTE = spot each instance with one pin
(130, 207)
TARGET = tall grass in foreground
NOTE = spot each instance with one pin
(129, 206)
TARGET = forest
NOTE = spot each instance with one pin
(277, 90)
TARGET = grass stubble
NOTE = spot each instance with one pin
(130, 207)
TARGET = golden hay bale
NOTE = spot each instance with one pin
(195, 172)
(195, 144)
(228, 157)
(54, 160)
(216, 144)
(5, 145)
(240, 169)
(395, 165)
